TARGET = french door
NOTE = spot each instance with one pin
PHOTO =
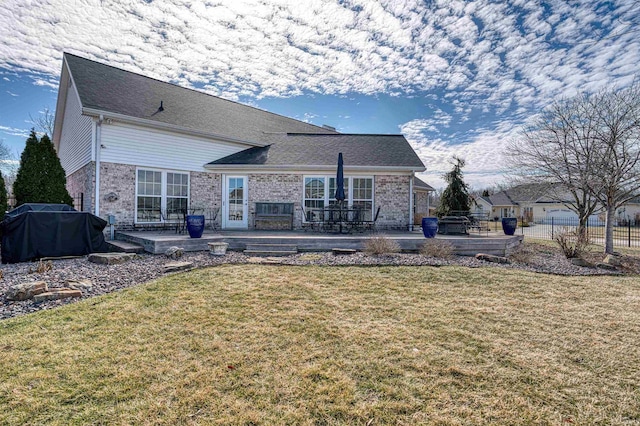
(235, 205)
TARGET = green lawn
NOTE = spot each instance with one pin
(261, 344)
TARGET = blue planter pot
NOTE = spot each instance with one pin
(429, 226)
(195, 225)
(509, 225)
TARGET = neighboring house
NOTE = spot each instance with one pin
(541, 203)
(139, 148)
(421, 196)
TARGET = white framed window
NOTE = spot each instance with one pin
(314, 195)
(320, 191)
(160, 195)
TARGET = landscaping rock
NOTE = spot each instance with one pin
(110, 258)
(82, 285)
(26, 291)
(174, 252)
(613, 260)
(342, 251)
(578, 261)
(177, 266)
(57, 293)
(492, 258)
(606, 266)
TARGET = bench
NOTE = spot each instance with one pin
(273, 216)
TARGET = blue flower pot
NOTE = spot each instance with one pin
(195, 225)
(429, 226)
(509, 225)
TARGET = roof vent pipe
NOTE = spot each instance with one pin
(161, 107)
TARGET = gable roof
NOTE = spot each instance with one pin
(109, 90)
(321, 150)
(421, 185)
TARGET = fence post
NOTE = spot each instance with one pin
(82, 201)
(552, 227)
(629, 232)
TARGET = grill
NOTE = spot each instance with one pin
(453, 225)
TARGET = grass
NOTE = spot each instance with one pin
(258, 344)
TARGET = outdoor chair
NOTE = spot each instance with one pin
(211, 217)
(370, 224)
(310, 220)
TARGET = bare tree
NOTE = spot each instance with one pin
(44, 121)
(616, 175)
(589, 147)
(558, 148)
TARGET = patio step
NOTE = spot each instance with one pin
(271, 249)
(125, 247)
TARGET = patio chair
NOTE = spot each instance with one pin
(370, 224)
(211, 216)
(309, 221)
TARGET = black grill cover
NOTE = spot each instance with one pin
(40, 207)
(33, 234)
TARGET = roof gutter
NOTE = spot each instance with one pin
(164, 126)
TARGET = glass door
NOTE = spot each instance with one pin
(235, 202)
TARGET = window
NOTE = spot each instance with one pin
(320, 191)
(177, 193)
(363, 196)
(314, 194)
(160, 192)
(149, 196)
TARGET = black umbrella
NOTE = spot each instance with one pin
(340, 180)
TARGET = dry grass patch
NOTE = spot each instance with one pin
(381, 244)
(437, 248)
(258, 344)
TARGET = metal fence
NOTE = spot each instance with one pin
(78, 201)
(626, 233)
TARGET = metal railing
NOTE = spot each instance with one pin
(626, 232)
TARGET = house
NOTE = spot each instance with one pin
(542, 203)
(139, 149)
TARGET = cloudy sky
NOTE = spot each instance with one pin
(455, 77)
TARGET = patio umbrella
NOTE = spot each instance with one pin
(340, 188)
(340, 180)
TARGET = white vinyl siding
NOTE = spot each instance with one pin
(75, 138)
(135, 145)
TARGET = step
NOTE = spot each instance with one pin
(125, 247)
(269, 253)
(271, 249)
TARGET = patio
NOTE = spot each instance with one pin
(468, 245)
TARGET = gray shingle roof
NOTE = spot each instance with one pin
(295, 149)
(109, 89)
(420, 184)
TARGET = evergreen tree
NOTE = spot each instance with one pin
(485, 193)
(455, 197)
(3, 197)
(40, 178)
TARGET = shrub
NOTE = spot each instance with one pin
(572, 243)
(381, 244)
(437, 248)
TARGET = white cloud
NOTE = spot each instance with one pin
(483, 60)
(484, 154)
(13, 131)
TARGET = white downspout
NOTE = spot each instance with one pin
(98, 144)
(411, 201)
